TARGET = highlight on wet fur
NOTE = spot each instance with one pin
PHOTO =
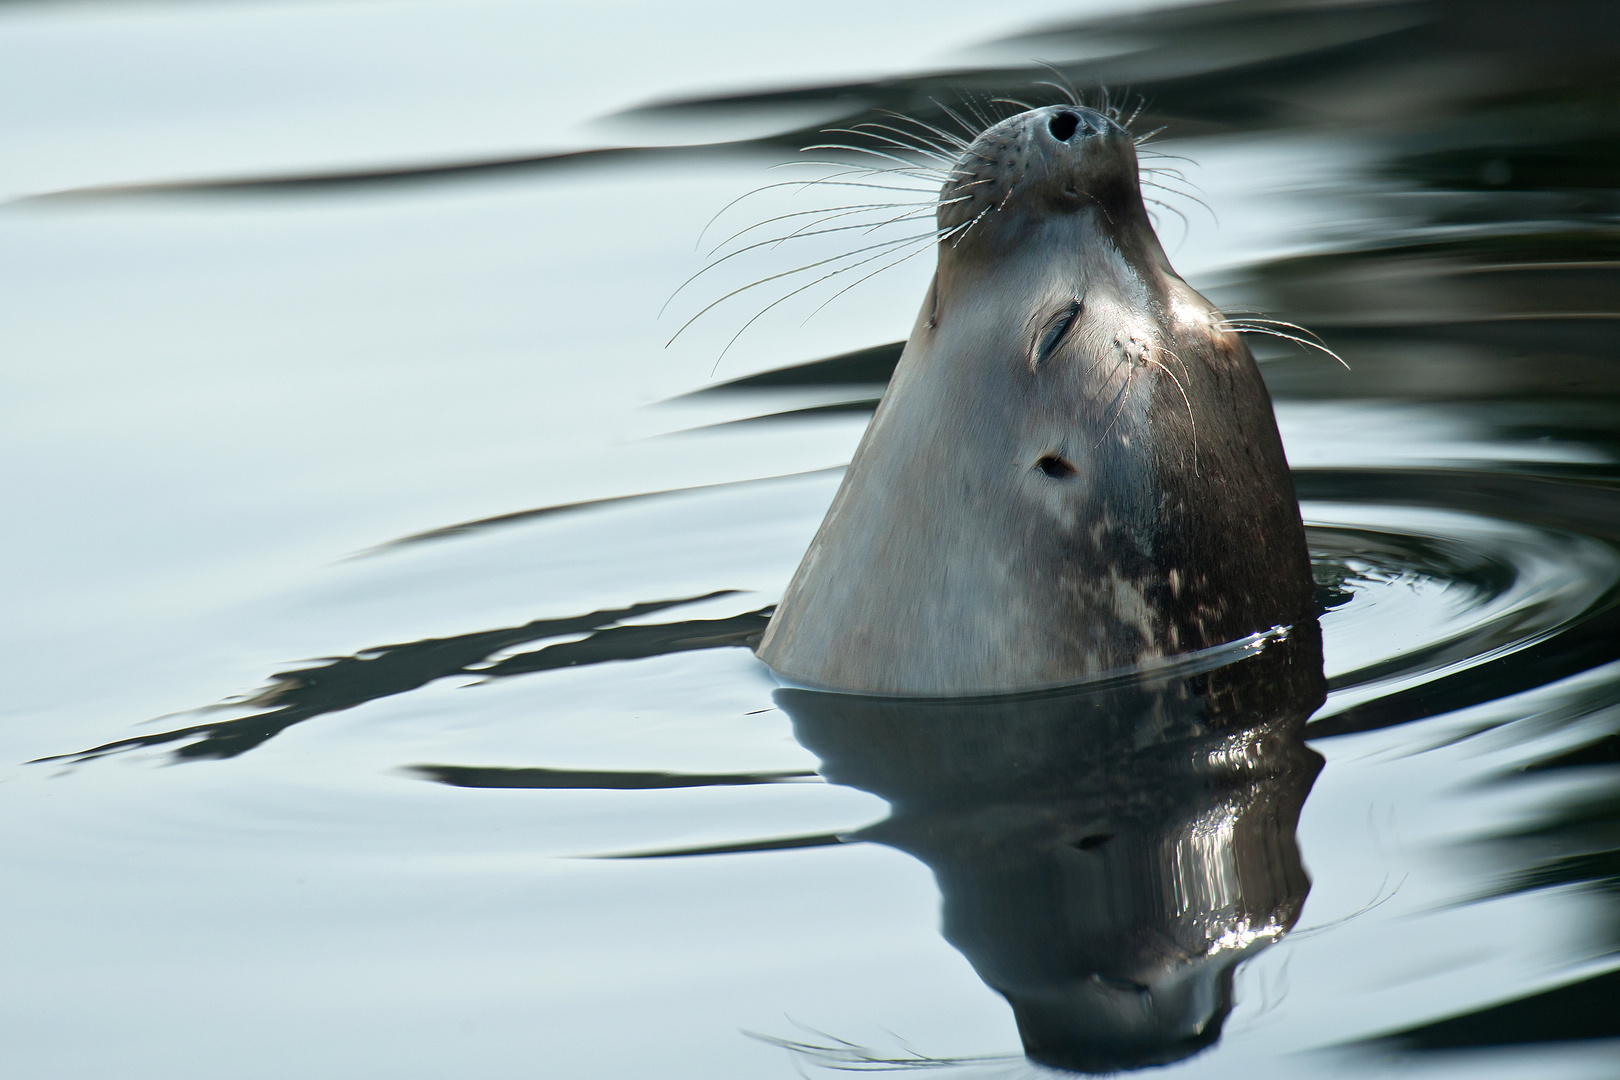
(884, 186)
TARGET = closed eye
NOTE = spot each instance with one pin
(1053, 334)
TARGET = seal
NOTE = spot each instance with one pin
(1075, 467)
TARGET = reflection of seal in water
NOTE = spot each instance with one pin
(1074, 468)
(1107, 853)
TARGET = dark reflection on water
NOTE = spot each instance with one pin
(345, 682)
(1107, 854)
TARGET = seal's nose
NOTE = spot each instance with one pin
(1065, 123)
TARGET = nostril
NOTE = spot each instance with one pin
(1063, 126)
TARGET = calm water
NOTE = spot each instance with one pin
(381, 585)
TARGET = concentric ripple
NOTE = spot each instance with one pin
(1413, 594)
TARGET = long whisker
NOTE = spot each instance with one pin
(764, 280)
(872, 130)
(929, 206)
(930, 176)
(942, 236)
(802, 184)
(1067, 88)
(950, 140)
(1141, 103)
(973, 222)
(933, 153)
(810, 229)
(802, 288)
(1185, 374)
(874, 153)
(832, 211)
(1157, 174)
(973, 107)
(1120, 400)
(1160, 155)
(1163, 187)
(1024, 105)
(1171, 171)
(864, 277)
(1243, 329)
(1186, 401)
(1186, 226)
(754, 246)
(928, 211)
(973, 133)
(1255, 317)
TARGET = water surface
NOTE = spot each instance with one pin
(395, 572)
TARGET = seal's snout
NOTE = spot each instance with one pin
(1065, 155)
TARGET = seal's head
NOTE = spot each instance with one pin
(1075, 468)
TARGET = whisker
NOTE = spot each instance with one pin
(1120, 400)
(1067, 88)
(1141, 103)
(1186, 226)
(953, 144)
(973, 107)
(783, 274)
(1242, 329)
(1155, 173)
(973, 133)
(864, 277)
(809, 229)
(802, 288)
(830, 180)
(1186, 401)
(752, 247)
(1165, 170)
(1255, 317)
(971, 223)
(833, 211)
(1185, 374)
(1023, 105)
(872, 130)
(802, 184)
(845, 1056)
(909, 165)
(1184, 195)
(1160, 155)
(928, 148)
(951, 138)
(928, 211)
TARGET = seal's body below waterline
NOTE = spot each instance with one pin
(1074, 468)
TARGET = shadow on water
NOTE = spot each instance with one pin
(1107, 854)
